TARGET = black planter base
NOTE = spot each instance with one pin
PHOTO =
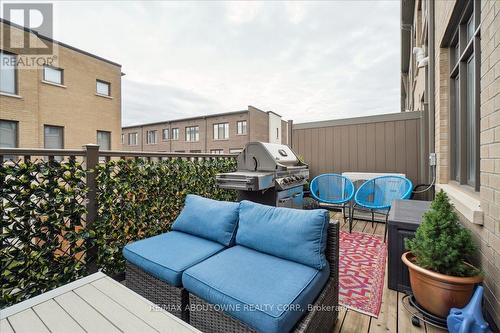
(418, 313)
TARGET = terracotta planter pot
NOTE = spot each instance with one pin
(436, 292)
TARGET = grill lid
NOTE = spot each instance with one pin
(260, 156)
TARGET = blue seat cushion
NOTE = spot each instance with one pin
(207, 218)
(167, 255)
(293, 234)
(267, 293)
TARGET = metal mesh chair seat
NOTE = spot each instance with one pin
(332, 188)
(377, 194)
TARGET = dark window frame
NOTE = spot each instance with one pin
(17, 129)
(105, 82)
(136, 138)
(467, 48)
(238, 127)
(155, 136)
(163, 131)
(177, 131)
(190, 133)
(16, 143)
(16, 74)
(57, 69)
(101, 131)
(226, 133)
(55, 126)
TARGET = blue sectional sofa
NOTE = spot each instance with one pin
(242, 267)
(155, 265)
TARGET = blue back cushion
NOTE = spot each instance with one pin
(209, 219)
(292, 234)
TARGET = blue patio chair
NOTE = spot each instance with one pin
(376, 195)
(332, 189)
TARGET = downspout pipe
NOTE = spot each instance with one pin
(432, 98)
(431, 78)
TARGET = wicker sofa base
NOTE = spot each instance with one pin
(321, 318)
(172, 299)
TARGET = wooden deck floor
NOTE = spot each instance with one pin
(393, 317)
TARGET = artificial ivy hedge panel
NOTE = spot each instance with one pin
(43, 238)
(138, 199)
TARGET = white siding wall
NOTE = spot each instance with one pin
(274, 128)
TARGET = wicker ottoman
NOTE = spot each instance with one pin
(172, 299)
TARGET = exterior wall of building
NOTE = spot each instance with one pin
(235, 140)
(489, 234)
(258, 125)
(257, 129)
(284, 132)
(478, 211)
(73, 105)
(415, 81)
(443, 11)
(274, 128)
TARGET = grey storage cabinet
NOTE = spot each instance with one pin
(404, 218)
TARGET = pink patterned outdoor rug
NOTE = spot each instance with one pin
(361, 272)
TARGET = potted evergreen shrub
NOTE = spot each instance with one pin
(440, 275)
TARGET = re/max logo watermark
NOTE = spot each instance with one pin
(28, 34)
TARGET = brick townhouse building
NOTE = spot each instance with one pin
(450, 70)
(220, 133)
(73, 102)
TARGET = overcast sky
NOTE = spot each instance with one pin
(306, 61)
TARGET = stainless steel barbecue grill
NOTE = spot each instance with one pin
(268, 173)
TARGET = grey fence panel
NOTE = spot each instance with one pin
(382, 143)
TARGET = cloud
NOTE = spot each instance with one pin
(152, 102)
(305, 60)
(296, 11)
(242, 12)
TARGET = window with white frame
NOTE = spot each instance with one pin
(52, 74)
(175, 134)
(241, 127)
(235, 150)
(151, 137)
(193, 133)
(8, 73)
(221, 131)
(164, 134)
(464, 51)
(217, 151)
(103, 88)
(132, 139)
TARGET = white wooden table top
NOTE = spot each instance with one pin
(95, 303)
(356, 176)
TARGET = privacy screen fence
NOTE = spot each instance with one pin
(68, 213)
